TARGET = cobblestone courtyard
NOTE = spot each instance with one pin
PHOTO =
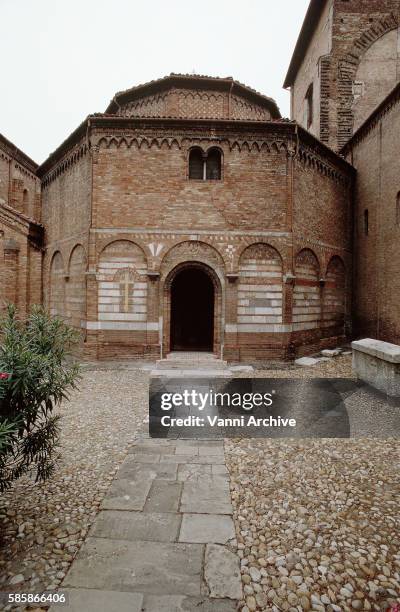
(316, 521)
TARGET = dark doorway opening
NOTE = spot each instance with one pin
(192, 311)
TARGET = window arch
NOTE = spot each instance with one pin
(25, 198)
(309, 106)
(196, 164)
(205, 166)
(213, 164)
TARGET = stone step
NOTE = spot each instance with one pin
(191, 356)
(169, 364)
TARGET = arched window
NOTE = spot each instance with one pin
(196, 164)
(309, 106)
(25, 200)
(213, 165)
(205, 166)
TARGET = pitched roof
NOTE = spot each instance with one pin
(196, 81)
(314, 12)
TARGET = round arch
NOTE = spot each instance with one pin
(198, 268)
(57, 285)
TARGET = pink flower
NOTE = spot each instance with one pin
(395, 608)
(4, 376)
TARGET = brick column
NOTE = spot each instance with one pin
(153, 314)
(11, 255)
(322, 282)
(287, 311)
(231, 348)
(91, 344)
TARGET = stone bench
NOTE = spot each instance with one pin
(378, 364)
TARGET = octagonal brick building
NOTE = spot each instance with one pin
(191, 217)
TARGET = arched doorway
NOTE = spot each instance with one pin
(192, 311)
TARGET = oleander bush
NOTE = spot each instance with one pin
(36, 374)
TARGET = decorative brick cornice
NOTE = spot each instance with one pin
(313, 153)
(66, 162)
(13, 152)
(282, 136)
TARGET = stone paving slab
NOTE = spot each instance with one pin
(92, 600)
(147, 471)
(132, 526)
(144, 567)
(206, 528)
(192, 471)
(187, 449)
(177, 603)
(164, 496)
(146, 457)
(222, 573)
(205, 496)
(209, 458)
(151, 449)
(126, 494)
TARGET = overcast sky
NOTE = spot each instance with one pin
(62, 60)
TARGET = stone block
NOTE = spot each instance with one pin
(306, 361)
(330, 352)
(378, 364)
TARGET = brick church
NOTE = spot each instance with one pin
(190, 216)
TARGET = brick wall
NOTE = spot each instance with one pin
(20, 236)
(149, 218)
(313, 72)
(374, 151)
(353, 60)
(66, 214)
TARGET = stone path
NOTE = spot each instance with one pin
(164, 540)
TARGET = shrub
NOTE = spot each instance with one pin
(35, 376)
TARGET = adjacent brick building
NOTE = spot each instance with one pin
(197, 176)
(191, 216)
(21, 235)
(375, 150)
(345, 62)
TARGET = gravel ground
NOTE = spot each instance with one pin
(43, 526)
(317, 521)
